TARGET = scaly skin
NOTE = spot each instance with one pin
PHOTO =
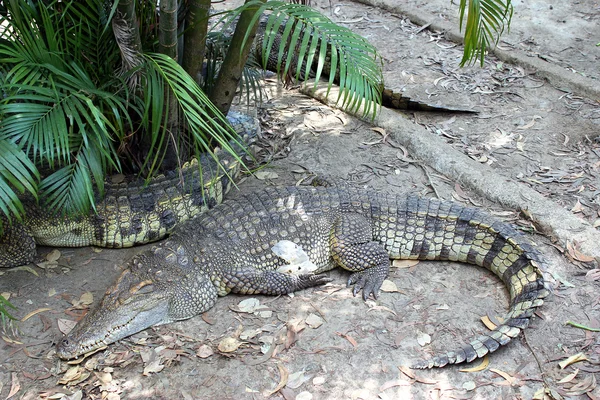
(228, 249)
(131, 213)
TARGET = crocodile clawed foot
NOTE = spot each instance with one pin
(366, 281)
(310, 280)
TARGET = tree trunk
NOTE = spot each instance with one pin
(194, 38)
(228, 80)
(167, 40)
(127, 34)
(167, 34)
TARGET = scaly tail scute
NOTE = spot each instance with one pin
(503, 250)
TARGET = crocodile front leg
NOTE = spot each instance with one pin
(249, 280)
(353, 249)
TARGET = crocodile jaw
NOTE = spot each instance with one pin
(130, 306)
(100, 329)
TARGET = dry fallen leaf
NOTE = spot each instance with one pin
(488, 323)
(250, 333)
(314, 321)
(297, 379)
(263, 175)
(394, 383)
(529, 124)
(586, 385)
(318, 380)
(204, 351)
(34, 312)
(379, 130)
(569, 377)
(577, 208)
(510, 379)
(381, 308)
(304, 396)
(283, 380)
(572, 360)
(248, 305)
(229, 345)
(51, 260)
(24, 268)
(65, 325)
(11, 341)
(152, 360)
(482, 365)
(593, 275)
(389, 286)
(15, 386)
(407, 371)
(78, 395)
(349, 338)
(84, 301)
(576, 254)
(73, 376)
(53, 256)
(423, 339)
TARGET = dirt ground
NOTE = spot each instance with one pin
(323, 343)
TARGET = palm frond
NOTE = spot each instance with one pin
(71, 188)
(309, 43)
(52, 110)
(485, 22)
(17, 176)
(206, 124)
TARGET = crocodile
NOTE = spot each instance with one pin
(131, 212)
(230, 249)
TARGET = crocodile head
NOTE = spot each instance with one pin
(135, 302)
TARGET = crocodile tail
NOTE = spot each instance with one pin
(398, 101)
(472, 236)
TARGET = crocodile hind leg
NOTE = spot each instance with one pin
(353, 249)
(17, 246)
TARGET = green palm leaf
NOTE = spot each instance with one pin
(206, 124)
(320, 45)
(485, 22)
(17, 176)
(52, 110)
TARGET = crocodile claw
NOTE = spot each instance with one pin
(309, 280)
(368, 282)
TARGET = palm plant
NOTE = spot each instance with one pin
(83, 94)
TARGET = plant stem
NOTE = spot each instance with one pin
(194, 37)
(228, 80)
(587, 328)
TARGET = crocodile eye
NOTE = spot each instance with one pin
(65, 342)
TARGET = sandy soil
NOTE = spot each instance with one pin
(323, 343)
